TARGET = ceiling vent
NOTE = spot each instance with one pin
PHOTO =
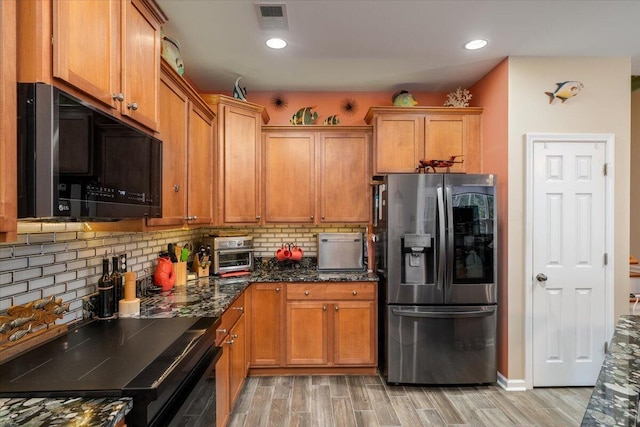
(272, 16)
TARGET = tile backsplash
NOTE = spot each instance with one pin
(64, 259)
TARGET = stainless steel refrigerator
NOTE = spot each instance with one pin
(436, 255)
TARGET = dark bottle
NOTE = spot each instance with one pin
(105, 293)
(117, 283)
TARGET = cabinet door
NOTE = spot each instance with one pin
(86, 46)
(8, 120)
(354, 335)
(241, 165)
(173, 133)
(447, 136)
(289, 177)
(344, 176)
(307, 333)
(238, 354)
(140, 64)
(266, 324)
(200, 170)
(223, 399)
(399, 142)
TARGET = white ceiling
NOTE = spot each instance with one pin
(380, 45)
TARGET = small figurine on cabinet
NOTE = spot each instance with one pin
(403, 98)
(239, 92)
(304, 116)
(332, 120)
(425, 165)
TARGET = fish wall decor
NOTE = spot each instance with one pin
(304, 116)
(403, 98)
(564, 91)
(332, 120)
(239, 92)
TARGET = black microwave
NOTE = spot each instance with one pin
(75, 161)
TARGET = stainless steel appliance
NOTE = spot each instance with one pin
(436, 258)
(231, 254)
(76, 161)
(160, 363)
(340, 252)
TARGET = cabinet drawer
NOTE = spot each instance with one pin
(229, 318)
(331, 291)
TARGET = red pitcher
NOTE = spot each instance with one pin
(164, 275)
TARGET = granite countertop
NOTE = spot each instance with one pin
(41, 412)
(614, 401)
(203, 297)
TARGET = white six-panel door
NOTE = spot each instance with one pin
(568, 265)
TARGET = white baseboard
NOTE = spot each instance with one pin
(510, 384)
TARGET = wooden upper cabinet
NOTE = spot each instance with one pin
(86, 46)
(186, 130)
(317, 174)
(200, 167)
(238, 159)
(105, 50)
(140, 63)
(8, 122)
(344, 174)
(405, 135)
(173, 133)
(289, 174)
(399, 141)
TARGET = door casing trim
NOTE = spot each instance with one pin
(531, 139)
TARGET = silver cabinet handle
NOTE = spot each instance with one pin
(323, 217)
(238, 308)
(118, 97)
(277, 289)
(306, 292)
(541, 277)
(258, 216)
(221, 331)
(176, 187)
(355, 292)
(132, 106)
(324, 308)
(230, 342)
(337, 308)
(234, 336)
(311, 216)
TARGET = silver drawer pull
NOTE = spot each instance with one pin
(306, 292)
(355, 292)
(221, 331)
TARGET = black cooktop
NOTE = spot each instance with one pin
(102, 358)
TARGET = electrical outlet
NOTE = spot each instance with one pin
(123, 263)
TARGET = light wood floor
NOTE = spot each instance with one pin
(344, 401)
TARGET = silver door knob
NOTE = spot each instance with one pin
(541, 277)
(132, 106)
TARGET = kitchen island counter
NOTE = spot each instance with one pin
(614, 401)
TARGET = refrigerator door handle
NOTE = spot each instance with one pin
(443, 314)
(450, 232)
(441, 244)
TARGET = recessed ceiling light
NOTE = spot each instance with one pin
(276, 43)
(476, 44)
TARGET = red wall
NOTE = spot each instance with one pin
(492, 93)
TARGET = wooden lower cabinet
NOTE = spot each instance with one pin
(231, 368)
(267, 306)
(354, 333)
(307, 333)
(314, 326)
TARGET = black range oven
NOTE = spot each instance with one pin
(157, 362)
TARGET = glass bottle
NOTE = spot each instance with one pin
(116, 282)
(105, 293)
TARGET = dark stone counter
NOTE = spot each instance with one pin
(614, 401)
(204, 297)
